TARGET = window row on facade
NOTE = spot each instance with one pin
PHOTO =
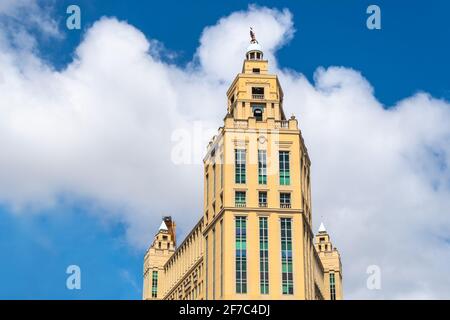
(193, 294)
(241, 174)
(283, 165)
(191, 288)
(240, 199)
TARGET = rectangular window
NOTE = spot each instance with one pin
(262, 199)
(263, 256)
(155, 284)
(285, 200)
(332, 287)
(241, 255)
(285, 178)
(262, 167)
(258, 92)
(239, 199)
(239, 165)
(287, 277)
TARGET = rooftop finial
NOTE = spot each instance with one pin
(253, 36)
(254, 50)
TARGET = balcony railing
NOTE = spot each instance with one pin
(282, 124)
(263, 204)
(240, 124)
(240, 204)
(258, 96)
(285, 206)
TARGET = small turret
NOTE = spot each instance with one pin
(323, 242)
(331, 262)
(162, 248)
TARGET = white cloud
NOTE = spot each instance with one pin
(24, 19)
(381, 180)
(222, 46)
(101, 130)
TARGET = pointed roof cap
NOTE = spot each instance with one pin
(322, 228)
(163, 226)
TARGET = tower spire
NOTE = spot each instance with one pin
(163, 226)
(254, 50)
(322, 228)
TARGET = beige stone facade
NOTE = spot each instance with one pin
(254, 239)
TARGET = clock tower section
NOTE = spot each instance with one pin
(257, 198)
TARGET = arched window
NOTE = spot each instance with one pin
(258, 114)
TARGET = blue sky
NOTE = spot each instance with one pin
(410, 54)
(37, 250)
(414, 35)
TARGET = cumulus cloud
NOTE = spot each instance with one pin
(103, 129)
(380, 180)
(274, 28)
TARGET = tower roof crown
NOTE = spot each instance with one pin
(254, 50)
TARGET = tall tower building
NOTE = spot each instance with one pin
(254, 239)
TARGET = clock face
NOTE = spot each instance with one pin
(261, 139)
